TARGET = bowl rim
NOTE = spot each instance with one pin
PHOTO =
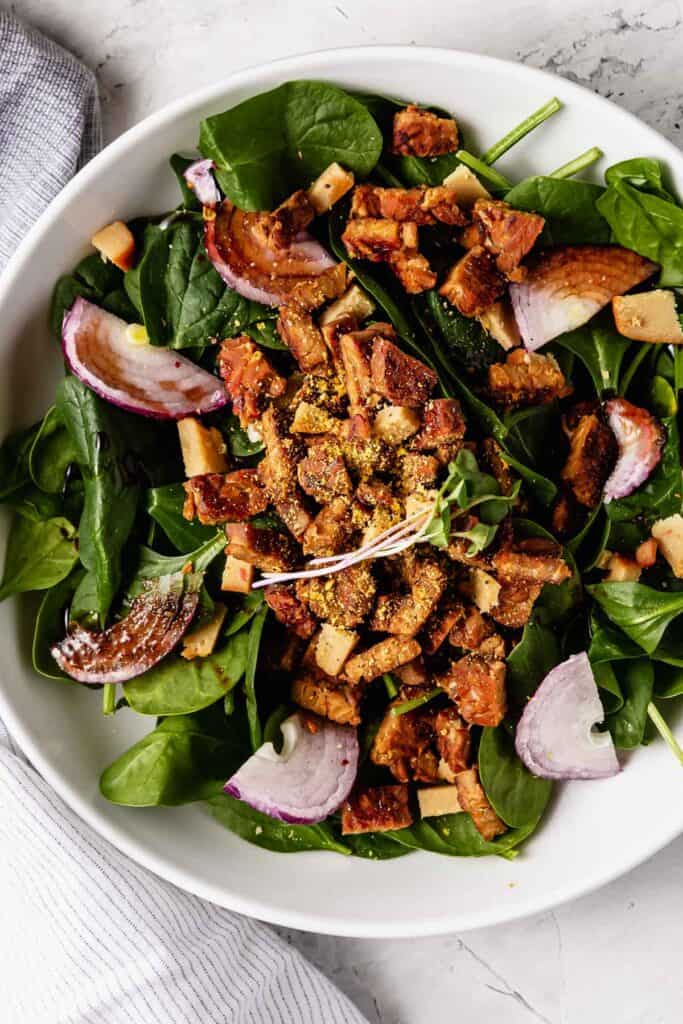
(248, 78)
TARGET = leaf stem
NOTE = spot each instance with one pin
(516, 134)
(664, 731)
(416, 702)
(630, 371)
(484, 171)
(579, 163)
(255, 631)
(392, 689)
(109, 699)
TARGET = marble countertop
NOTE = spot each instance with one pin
(611, 956)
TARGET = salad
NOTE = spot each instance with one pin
(363, 480)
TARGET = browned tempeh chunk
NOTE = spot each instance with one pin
(330, 531)
(452, 739)
(413, 271)
(398, 376)
(515, 603)
(443, 422)
(289, 610)
(224, 497)
(530, 567)
(405, 614)
(508, 234)
(474, 800)
(526, 378)
(380, 658)
(474, 283)
(375, 239)
(304, 340)
(292, 216)
(470, 629)
(278, 471)
(476, 685)
(422, 205)
(343, 599)
(418, 132)
(376, 810)
(249, 378)
(268, 550)
(418, 472)
(327, 697)
(439, 624)
(405, 744)
(322, 473)
(593, 452)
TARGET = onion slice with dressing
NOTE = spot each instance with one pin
(145, 379)
(640, 437)
(555, 735)
(565, 287)
(157, 619)
(310, 777)
(236, 245)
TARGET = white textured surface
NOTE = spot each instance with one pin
(610, 957)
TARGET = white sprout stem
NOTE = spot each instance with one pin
(390, 534)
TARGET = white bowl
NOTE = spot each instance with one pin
(595, 831)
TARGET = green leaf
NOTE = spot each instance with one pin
(97, 281)
(179, 165)
(375, 846)
(556, 603)
(151, 564)
(50, 625)
(668, 681)
(649, 225)
(111, 495)
(529, 661)
(609, 643)
(165, 506)
(50, 454)
(284, 138)
(238, 439)
(184, 759)
(569, 208)
(642, 172)
(14, 456)
(39, 555)
(627, 725)
(517, 796)
(254, 644)
(145, 286)
(250, 605)
(270, 833)
(610, 691)
(455, 835)
(601, 349)
(179, 687)
(464, 339)
(640, 611)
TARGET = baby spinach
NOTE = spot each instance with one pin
(284, 138)
(610, 691)
(269, 833)
(39, 554)
(51, 454)
(642, 172)
(609, 643)
(165, 506)
(49, 626)
(179, 687)
(97, 281)
(530, 660)
(375, 846)
(14, 460)
(111, 495)
(144, 284)
(668, 681)
(238, 440)
(253, 647)
(464, 339)
(640, 611)
(150, 564)
(179, 165)
(186, 758)
(251, 604)
(569, 208)
(601, 349)
(648, 224)
(455, 835)
(627, 725)
(517, 796)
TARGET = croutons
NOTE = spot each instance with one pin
(396, 423)
(622, 569)
(499, 321)
(115, 242)
(200, 642)
(203, 448)
(669, 536)
(333, 648)
(466, 186)
(353, 303)
(382, 657)
(435, 800)
(329, 187)
(237, 576)
(648, 316)
(311, 419)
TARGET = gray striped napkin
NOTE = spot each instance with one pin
(87, 936)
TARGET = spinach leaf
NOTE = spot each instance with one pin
(95, 280)
(642, 172)
(456, 836)
(529, 662)
(238, 439)
(184, 759)
(144, 284)
(179, 687)
(165, 506)
(517, 796)
(609, 643)
(283, 138)
(111, 496)
(39, 554)
(648, 224)
(668, 681)
(601, 349)
(569, 208)
(250, 605)
(464, 339)
(375, 846)
(179, 165)
(14, 456)
(50, 454)
(640, 611)
(610, 691)
(151, 564)
(269, 833)
(50, 625)
(556, 603)
(253, 646)
(627, 725)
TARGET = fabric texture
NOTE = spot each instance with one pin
(87, 936)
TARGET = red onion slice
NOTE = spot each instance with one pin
(565, 287)
(239, 253)
(640, 437)
(144, 379)
(310, 777)
(555, 736)
(199, 176)
(157, 620)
